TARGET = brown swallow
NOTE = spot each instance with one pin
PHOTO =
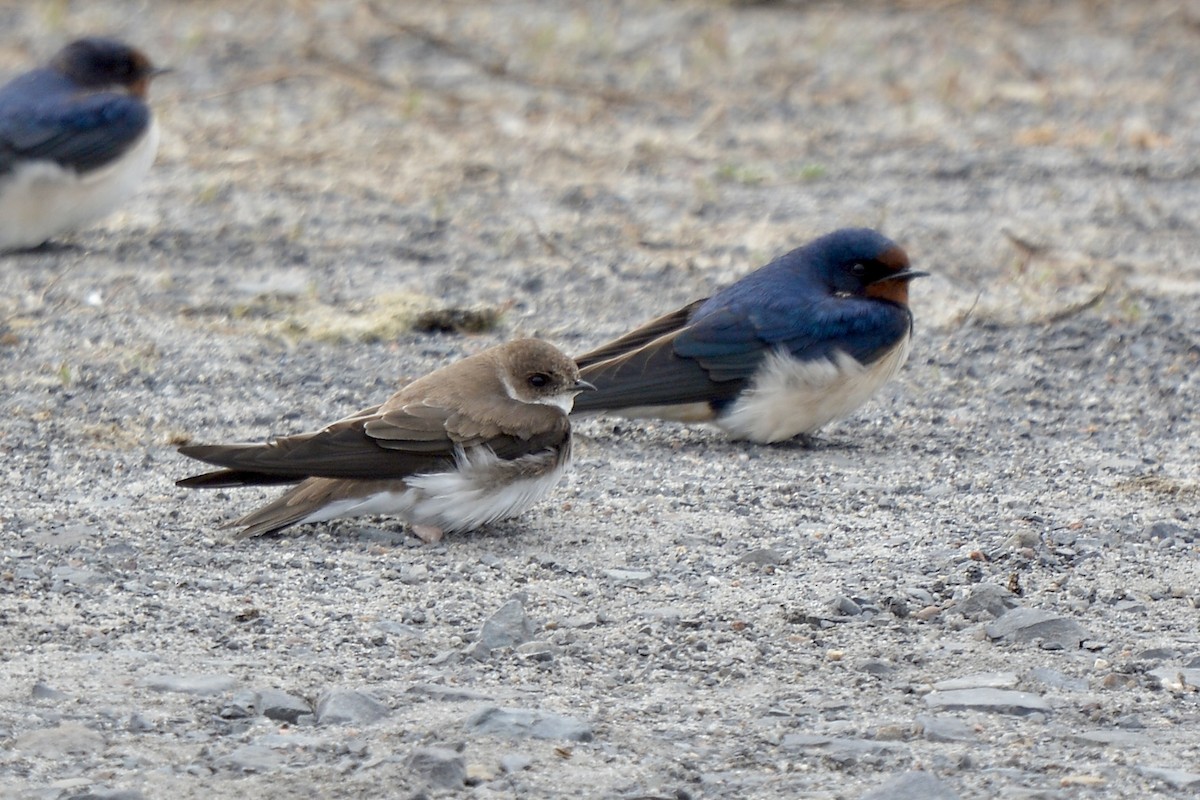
(472, 443)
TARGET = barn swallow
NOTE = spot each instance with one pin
(781, 352)
(76, 139)
(474, 442)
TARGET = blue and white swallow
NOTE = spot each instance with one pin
(76, 140)
(789, 348)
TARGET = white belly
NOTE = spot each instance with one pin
(790, 397)
(40, 200)
(475, 494)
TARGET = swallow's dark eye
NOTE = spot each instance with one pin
(539, 380)
(858, 270)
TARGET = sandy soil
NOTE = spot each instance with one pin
(694, 618)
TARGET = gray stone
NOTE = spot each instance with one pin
(399, 629)
(281, 706)
(1176, 678)
(251, 758)
(1114, 738)
(1177, 778)
(1058, 680)
(44, 691)
(241, 706)
(508, 627)
(842, 751)
(1001, 701)
(110, 794)
(911, 786)
(65, 739)
(763, 556)
(1028, 624)
(515, 762)
(190, 684)
(447, 693)
(349, 707)
(992, 680)
(946, 729)
(987, 598)
(628, 575)
(536, 724)
(439, 766)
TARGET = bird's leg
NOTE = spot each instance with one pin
(429, 534)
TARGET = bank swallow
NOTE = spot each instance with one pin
(792, 346)
(474, 442)
(76, 139)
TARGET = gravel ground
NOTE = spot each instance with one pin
(983, 584)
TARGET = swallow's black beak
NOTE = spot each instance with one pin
(904, 275)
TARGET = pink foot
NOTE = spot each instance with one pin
(429, 534)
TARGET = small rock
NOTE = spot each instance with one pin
(66, 739)
(993, 680)
(241, 706)
(190, 684)
(349, 707)
(845, 606)
(1176, 679)
(1058, 680)
(439, 766)
(110, 794)
(1028, 624)
(536, 724)
(538, 651)
(911, 786)
(251, 758)
(44, 691)
(763, 556)
(946, 729)
(987, 598)
(281, 706)
(1114, 738)
(509, 626)
(1001, 701)
(1177, 778)
(843, 751)
(514, 762)
(628, 575)
(876, 667)
(447, 693)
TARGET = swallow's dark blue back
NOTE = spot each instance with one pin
(44, 117)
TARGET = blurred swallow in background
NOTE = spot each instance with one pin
(794, 345)
(76, 139)
(477, 441)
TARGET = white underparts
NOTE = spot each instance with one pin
(789, 397)
(41, 199)
(483, 489)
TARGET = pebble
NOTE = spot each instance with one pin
(1001, 701)
(1058, 680)
(628, 575)
(1114, 738)
(1176, 679)
(945, 729)
(251, 758)
(109, 794)
(44, 691)
(993, 680)
(535, 724)
(763, 556)
(911, 786)
(1177, 778)
(190, 684)
(439, 766)
(509, 626)
(987, 598)
(447, 693)
(281, 706)
(515, 762)
(842, 750)
(349, 707)
(1028, 624)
